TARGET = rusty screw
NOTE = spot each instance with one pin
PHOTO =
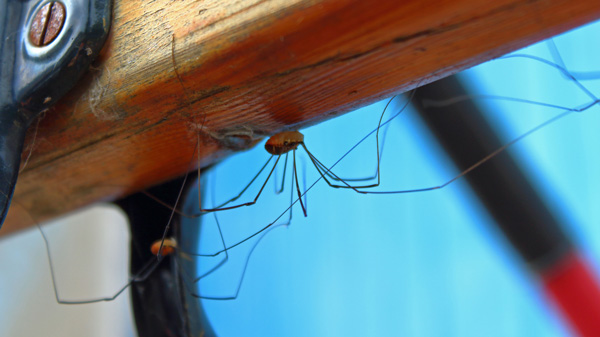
(47, 23)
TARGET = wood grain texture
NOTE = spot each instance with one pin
(250, 68)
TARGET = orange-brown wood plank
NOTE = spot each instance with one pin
(250, 68)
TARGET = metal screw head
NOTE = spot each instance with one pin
(47, 24)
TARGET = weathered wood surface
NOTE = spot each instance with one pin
(250, 68)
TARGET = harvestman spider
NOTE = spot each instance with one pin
(326, 171)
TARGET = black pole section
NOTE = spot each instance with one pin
(499, 183)
(162, 305)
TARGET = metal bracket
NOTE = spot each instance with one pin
(46, 47)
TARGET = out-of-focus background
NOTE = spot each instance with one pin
(422, 264)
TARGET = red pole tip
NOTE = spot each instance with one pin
(573, 286)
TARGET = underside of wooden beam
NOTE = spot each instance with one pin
(230, 72)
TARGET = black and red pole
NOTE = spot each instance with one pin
(518, 210)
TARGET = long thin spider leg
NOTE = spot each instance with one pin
(579, 75)
(180, 252)
(270, 225)
(560, 68)
(427, 103)
(324, 171)
(556, 56)
(255, 198)
(140, 276)
(195, 279)
(291, 203)
(219, 207)
(304, 186)
(566, 112)
(245, 264)
(379, 151)
(237, 291)
(222, 262)
(375, 174)
(173, 211)
(557, 67)
(278, 191)
(289, 210)
(199, 164)
(298, 186)
(248, 186)
(319, 166)
(197, 149)
(478, 163)
(286, 224)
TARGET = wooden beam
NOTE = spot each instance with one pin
(248, 69)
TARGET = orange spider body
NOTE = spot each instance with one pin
(168, 247)
(284, 142)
